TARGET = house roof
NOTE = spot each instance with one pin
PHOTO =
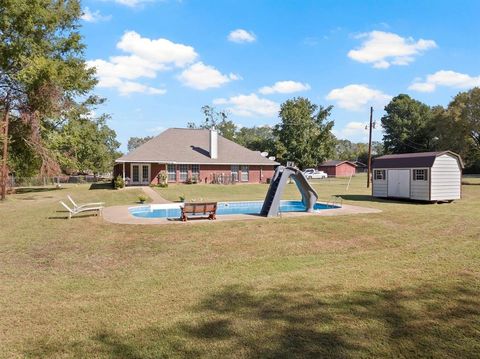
(405, 160)
(335, 163)
(184, 145)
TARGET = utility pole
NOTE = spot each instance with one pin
(4, 178)
(369, 170)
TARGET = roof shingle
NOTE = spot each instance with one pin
(184, 145)
(406, 160)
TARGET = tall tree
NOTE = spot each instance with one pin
(258, 138)
(408, 126)
(458, 126)
(85, 145)
(42, 69)
(217, 119)
(134, 142)
(305, 132)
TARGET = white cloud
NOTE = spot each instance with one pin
(356, 97)
(241, 36)
(94, 16)
(447, 79)
(159, 51)
(383, 49)
(201, 77)
(284, 87)
(145, 58)
(352, 129)
(249, 106)
(133, 3)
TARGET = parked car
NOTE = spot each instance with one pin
(312, 173)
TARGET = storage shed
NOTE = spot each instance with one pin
(425, 176)
(338, 168)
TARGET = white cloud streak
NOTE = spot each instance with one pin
(94, 16)
(284, 87)
(201, 77)
(249, 106)
(241, 36)
(383, 49)
(446, 78)
(356, 97)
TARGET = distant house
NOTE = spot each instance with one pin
(360, 167)
(338, 168)
(193, 153)
(426, 176)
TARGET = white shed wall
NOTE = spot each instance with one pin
(379, 187)
(420, 189)
(446, 176)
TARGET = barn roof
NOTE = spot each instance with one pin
(184, 145)
(406, 160)
(335, 163)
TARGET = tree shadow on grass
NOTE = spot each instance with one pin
(285, 322)
(24, 190)
(101, 185)
(368, 198)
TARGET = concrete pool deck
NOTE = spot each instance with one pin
(121, 215)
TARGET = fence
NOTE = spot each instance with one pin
(15, 182)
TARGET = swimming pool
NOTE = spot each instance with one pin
(172, 210)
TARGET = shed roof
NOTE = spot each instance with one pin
(408, 160)
(335, 163)
(184, 145)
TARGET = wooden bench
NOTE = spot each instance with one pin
(199, 210)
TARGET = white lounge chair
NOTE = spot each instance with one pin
(74, 212)
(85, 205)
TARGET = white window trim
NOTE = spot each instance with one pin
(140, 172)
(176, 170)
(414, 174)
(384, 174)
(241, 173)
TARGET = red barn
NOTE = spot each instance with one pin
(338, 168)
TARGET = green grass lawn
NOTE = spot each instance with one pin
(401, 283)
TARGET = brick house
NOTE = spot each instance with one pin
(193, 153)
(338, 168)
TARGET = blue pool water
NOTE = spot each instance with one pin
(224, 208)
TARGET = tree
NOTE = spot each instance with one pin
(218, 120)
(85, 145)
(458, 126)
(305, 132)
(408, 126)
(42, 70)
(258, 138)
(134, 142)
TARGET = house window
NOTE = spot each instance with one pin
(183, 169)
(196, 172)
(172, 173)
(244, 173)
(420, 175)
(379, 175)
(234, 173)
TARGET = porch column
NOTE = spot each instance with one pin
(123, 172)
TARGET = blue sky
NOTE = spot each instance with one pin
(159, 62)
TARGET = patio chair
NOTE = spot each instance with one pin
(74, 212)
(76, 206)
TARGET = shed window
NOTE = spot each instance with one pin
(379, 175)
(420, 175)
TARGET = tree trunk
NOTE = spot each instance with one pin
(4, 173)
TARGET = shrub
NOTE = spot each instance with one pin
(142, 198)
(162, 178)
(118, 182)
(181, 198)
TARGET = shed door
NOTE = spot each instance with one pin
(399, 183)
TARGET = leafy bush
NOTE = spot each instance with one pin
(181, 198)
(142, 198)
(118, 182)
(162, 178)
